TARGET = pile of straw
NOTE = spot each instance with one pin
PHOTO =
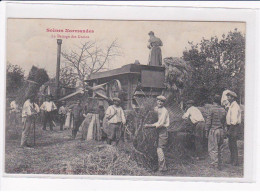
(108, 160)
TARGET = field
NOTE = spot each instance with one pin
(56, 153)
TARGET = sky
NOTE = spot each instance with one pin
(30, 43)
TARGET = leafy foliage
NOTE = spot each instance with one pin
(38, 75)
(14, 78)
(217, 64)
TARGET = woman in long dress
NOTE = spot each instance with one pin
(68, 121)
(155, 56)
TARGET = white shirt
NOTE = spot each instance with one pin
(48, 106)
(29, 108)
(234, 114)
(63, 110)
(13, 105)
(194, 114)
(163, 117)
(118, 113)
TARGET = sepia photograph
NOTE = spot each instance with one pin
(162, 98)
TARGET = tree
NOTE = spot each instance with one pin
(38, 75)
(217, 64)
(89, 58)
(67, 77)
(14, 78)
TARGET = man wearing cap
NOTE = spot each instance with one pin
(29, 112)
(161, 127)
(195, 116)
(62, 112)
(215, 125)
(154, 44)
(48, 107)
(116, 117)
(77, 113)
(233, 119)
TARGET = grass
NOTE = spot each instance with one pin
(56, 153)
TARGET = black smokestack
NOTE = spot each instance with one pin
(59, 42)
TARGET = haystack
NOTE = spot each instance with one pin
(29, 88)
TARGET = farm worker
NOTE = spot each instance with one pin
(224, 99)
(14, 109)
(155, 56)
(29, 112)
(215, 126)
(77, 112)
(115, 117)
(48, 107)
(63, 113)
(161, 128)
(195, 116)
(233, 119)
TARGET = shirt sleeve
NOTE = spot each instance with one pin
(42, 106)
(54, 106)
(108, 112)
(186, 115)
(37, 108)
(26, 110)
(123, 116)
(60, 111)
(235, 113)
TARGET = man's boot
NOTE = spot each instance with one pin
(108, 141)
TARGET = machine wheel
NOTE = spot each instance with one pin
(114, 88)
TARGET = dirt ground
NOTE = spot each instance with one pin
(56, 153)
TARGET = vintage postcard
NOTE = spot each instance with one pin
(125, 97)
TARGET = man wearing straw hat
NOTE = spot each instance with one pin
(116, 118)
(195, 116)
(233, 119)
(161, 128)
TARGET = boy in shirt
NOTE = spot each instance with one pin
(116, 118)
(161, 127)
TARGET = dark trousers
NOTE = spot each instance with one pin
(199, 140)
(114, 132)
(76, 125)
(13, 118)
(47, 119)
(232, 143)
(62, 121)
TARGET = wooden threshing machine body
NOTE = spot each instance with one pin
(129, 82)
